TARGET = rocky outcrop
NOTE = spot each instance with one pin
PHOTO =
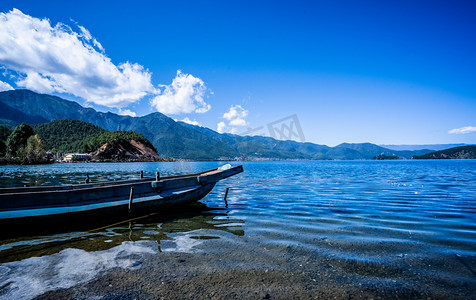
(121, 150)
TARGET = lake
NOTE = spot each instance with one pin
(289, 229)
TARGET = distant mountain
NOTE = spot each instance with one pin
(368, 151)
(462, 152)
(41, 108)
(178, 139)
(432, 147)
(12, 117)
(171, 138)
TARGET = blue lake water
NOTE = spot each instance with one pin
(302, 229)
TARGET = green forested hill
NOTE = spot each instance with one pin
(67, 135)
(94, 142)
(78, 136)
(462, 152)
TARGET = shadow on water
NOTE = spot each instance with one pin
(106, 234)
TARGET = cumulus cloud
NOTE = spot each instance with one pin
(87, 35)
(184, 95)
(221, 127)
(236, 116)
(5, 86)
(463, 130)
(127, 112)
(191, 122)
(55, 58)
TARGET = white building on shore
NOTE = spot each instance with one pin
(76, 157)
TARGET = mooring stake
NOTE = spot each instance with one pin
(157, 176)
(141, 174)
(130, 198)
(226, 194)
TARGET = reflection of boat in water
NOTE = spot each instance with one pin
(193, 222)
(37, 264)
(66, 204)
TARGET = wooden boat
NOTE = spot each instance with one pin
(120, 198)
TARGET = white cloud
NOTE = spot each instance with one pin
(463, 130)
(236, 112)
(127, 112)
(57, 59)
(184, 95)
(221, 127)
(188, 121)
(238, 122)
(236, 117)
(5, 86)
(39, 83)
(234, 130)
(87, 35)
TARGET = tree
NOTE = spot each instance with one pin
(4, 133)
(18, 138)
(3, 148)
(34, 150)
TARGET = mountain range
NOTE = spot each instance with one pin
(433, 147)
(178, 139)
(461, 152)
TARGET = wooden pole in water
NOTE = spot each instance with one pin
(141, 174)
(131, 196)
(157, 176)
(226, 194)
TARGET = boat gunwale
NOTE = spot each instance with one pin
(83, 186)
(103, 185)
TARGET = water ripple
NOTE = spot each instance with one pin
(379, 223)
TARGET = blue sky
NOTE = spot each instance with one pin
(386, 72)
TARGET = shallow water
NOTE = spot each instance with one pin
(345, 229)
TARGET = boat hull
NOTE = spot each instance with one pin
(117, 210)
(109, 200)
